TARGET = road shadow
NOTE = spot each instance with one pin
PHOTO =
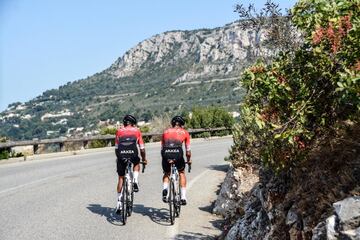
(107, 212)
(159, 216)
(208, 208)
(192, 235)
(221, 168)
(218, 223)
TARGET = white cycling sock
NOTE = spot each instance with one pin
(183, 192)
(136, 175)
(165, 186)
(119, 196)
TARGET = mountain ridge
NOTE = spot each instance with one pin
(168, 72)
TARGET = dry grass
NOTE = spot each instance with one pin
(331, 173)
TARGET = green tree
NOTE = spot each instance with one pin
(209, 117)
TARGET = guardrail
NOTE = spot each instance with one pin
(85, 140)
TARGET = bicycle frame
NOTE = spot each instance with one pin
(128, 191)
(174, 193)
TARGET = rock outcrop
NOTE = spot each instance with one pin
(318, 199)
(344, 224)
(218, 50)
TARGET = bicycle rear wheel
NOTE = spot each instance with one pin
(130, 198)
(172, 201)
(124, 201)
(177, 201)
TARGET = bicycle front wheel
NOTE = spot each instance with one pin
(172, 201)
(124, 201)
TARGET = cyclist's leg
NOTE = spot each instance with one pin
(183, 186)
(180, 165)
(136, 169)
(166, 170)
(121, 172)
(136, 162)
(120, 168)
(120, 183)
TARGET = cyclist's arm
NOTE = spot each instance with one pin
(188, 157)
(187, 147)
(117, 143)
(142, 148)
(143, 155)
(162, 141)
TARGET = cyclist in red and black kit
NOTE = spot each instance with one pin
(171, 148)
(127, 140)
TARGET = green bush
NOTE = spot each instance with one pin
(108, 130)
(303, 95)
(4, 154)
(98, 144)
(145, 129)
(209, 117)
(201, 135)
(14, 154)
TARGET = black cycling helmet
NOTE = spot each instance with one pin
(129, 119)
(178, 119)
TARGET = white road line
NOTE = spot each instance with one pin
(189, 185)
(30, 183)
(174, 230)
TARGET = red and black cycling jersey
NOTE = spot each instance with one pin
(175, 137)
(128, 134)
(127, 140)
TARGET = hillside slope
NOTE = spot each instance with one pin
(169, 72)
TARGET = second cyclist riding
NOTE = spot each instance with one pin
(127, 199)
(173, 164)
(174, 193)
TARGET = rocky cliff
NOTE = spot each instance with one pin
(221, 51)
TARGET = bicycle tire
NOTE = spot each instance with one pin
(172, 201)
(124, 201)
(131, 199)
(178, 204)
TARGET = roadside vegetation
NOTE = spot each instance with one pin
(299, 122)
(209, 117)
(5, 153)
(306, 95)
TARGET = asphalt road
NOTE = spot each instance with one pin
(73, 197)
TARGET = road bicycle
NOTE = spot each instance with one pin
(127, 199)
(174, 192)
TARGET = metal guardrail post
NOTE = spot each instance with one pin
(86, 144)
(62, 147)
(36, 148)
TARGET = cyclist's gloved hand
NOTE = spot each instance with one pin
(144, 161)
(189, 162)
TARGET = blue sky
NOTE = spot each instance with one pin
(45, 44)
